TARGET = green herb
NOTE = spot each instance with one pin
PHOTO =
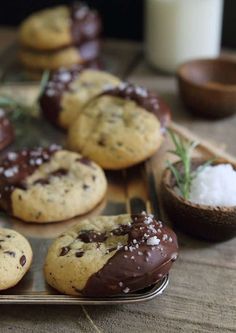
(184, 150)
(19, 111)
(25, 117)
(43, 83)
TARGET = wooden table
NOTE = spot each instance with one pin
(201, 296)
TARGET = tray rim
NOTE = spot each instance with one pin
(58, 299)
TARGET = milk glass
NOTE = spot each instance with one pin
(181, 30)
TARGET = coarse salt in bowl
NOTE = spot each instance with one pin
(214, 186)
(214, 219)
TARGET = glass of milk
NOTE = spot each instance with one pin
(181, 30)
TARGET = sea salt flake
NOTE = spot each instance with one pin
(164, 237)
(12, 156)
(153, 241)
(152, 229)
(141, 91)
(148, 220)
(10, 172)
(174, 256)
(65, 77)
(2, 113)
(38, 161)
(50, 92)
(126, 290)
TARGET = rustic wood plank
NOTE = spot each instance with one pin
(201, 296)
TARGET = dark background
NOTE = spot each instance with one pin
(122, 18)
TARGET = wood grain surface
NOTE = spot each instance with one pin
(201, 296)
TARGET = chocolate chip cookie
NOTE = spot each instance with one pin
(120, 127)
(111, 255)
(15, 257)
(67, 91)
(59, 27)
(65, 57)
(49, 184)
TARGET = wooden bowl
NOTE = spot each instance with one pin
(206, 222)
(208, 87)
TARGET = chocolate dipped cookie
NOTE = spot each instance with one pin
(68, 90)
(60, 27)
(64, 57)
(111, 255)
(49, 184)
(120, 127)
(15, 257)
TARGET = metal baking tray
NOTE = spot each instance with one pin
(129, 191)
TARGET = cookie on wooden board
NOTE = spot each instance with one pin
(120, 127)
(64, 57)
(59, 27)
(110, 255)
(68, 90)
(15, 257)
(49, 184)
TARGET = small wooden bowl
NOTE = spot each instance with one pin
(206, 222)
(208, 87)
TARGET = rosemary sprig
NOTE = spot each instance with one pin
(43, 82)
(19, 111)
(184, 150)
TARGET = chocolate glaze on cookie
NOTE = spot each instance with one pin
(59, 83)
(85, 23)
(146, 258)
(16, 167)
(6, 130)
(89, 51)
(143, 97)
